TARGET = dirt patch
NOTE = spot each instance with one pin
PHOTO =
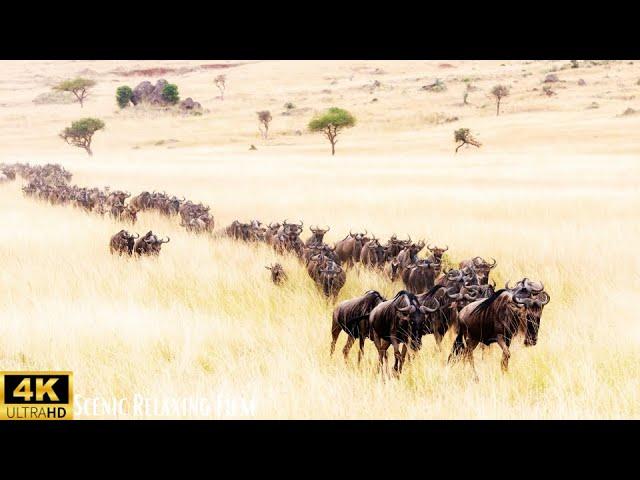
(446, 65)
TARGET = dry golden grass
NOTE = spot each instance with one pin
(552, 195)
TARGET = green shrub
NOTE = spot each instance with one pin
(170, 93)
(123, 96)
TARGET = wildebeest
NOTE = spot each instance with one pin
(436, 255)
(331, 279)
(116, 210)
(117, 196)
(480, 267)
(122, 242)
(278, 276)
(409, 255)
(349, 248)
(373, 254)
(317, 237)
(129, 214)
(420, 277)
(272, 231)
(392, 269)
(142, 201)
(150, 244)
(394, 246)
(352, 316)
(397, 322)
(288, 239)
(499, 318)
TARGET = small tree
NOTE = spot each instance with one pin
(463, 135)
(80, 133)
(264, 117)
(170, 93)
(499, 92)
(78, 86)
(221, 82)
(331, 123)
(123, 95)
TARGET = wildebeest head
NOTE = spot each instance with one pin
(154, 243)
(412, 318)
(482, 268)
(437, 252)
(317, 234)
(531, 296)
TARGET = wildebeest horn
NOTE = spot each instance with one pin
(455, 295)
(138, 236)
(493, 265)
(183, 199)
(477, 261)
(526, 301)
(546, 300)
(446, 248)
(166, 241)
(350, 233)
(301, 223)
(146, 240)
(425, 309)
(328, 228)
(429, 247)
(268, 268)
(532, 287)
(365, 232)
(406, 309)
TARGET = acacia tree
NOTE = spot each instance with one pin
(264, 117)
(499, 92)
(463, 135)
(331, 123)
(80, 133)
(221, 82)
(78, 86)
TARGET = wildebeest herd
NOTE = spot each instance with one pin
(50, 183)
(434, 300)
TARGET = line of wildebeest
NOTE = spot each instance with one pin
(434, 300)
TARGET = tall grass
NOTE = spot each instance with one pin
(204, 318)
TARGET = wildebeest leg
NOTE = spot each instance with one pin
(404, 355)
(505, 352)
(363, 334)
(335, 332)
(468, 354)
(397, 365)
(347, 347)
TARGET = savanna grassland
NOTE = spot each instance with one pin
(552, 194)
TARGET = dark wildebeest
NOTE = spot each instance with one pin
(349, 248)
(238, 230)
(150, 244)
(396, 322)
(122, 242)
(394, 246)
(409, 255)
(499, 318)
(352, 316)
(277, 274)
(129, 214)
(480, 267)
(270, 234)
(436, 255)
(392, 269)
(141, 201)
(373, 254)
(116, 210)
(317, 237)
(420, 277)
(288, 239)
(116, 197)
(332, 279)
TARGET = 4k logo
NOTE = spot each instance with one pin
(36, 395)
